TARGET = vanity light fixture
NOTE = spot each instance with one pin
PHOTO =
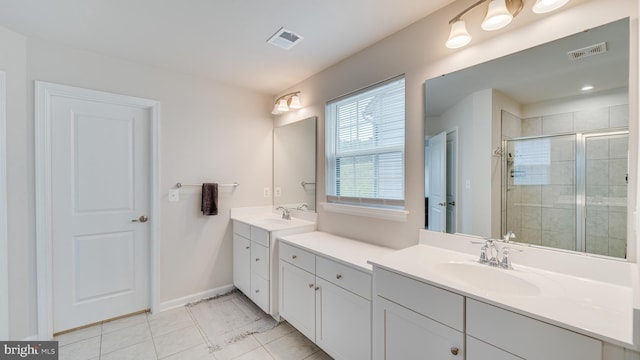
(499, 14)
(286, 102)
(545, 6)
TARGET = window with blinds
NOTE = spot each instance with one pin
(365, 146)
(532, 162)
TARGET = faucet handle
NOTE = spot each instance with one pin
(505, 263)
(483, 254)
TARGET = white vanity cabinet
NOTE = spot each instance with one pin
(414, 320)
(327, 300)
(251, 263)
(255, 265)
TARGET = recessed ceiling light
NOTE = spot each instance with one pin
(587, 88)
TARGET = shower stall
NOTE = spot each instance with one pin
(567, 191)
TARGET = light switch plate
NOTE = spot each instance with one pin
(174, 195)
(267, 192)
(277, 192)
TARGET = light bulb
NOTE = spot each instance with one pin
(295, 102)
(545, 6)
(282, 105)
(459, 35)
(498, 16)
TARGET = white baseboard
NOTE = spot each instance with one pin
(172, 304)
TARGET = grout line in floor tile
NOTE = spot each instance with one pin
(153, 340)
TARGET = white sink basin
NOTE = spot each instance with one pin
(489, 279)
(276, 221)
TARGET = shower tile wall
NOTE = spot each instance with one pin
(546, 214)
(606, 192)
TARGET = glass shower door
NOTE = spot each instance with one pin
(605, 193)
(541, 190)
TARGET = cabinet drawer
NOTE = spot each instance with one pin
(298, 257)
(346, 277)
(478, 350)
(438, 304)
(260, 292)
(260, 236)
(504, 329)
(242, 229)
(260, 260)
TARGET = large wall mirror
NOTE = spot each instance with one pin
(536, 143)
(294, 165)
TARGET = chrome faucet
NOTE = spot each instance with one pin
(303, 206)
(489, 253)
(285, 212)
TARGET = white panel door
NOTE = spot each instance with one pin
(100, 200)
(438, 182)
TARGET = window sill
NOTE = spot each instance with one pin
(377, 213)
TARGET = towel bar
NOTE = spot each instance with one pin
(179, 185)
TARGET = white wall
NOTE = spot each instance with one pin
(209, 133)
(419, 52)
(21, 230)
(198, 117)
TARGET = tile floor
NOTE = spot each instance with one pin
(173, 335)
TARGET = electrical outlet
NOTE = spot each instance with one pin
(174, 195)
(267, 192)
(277, 192)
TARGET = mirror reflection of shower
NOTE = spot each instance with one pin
(565, 184)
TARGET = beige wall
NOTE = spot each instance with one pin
(419, 52)
(22, 315)
(212, 132)
(206, 130)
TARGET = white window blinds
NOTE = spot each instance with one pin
(365, 146)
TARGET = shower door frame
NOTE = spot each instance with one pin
(580, 161)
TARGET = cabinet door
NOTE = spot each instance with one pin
(403, 334)
(343, 322)
(297, 298)
(242, 263)
(260, 260)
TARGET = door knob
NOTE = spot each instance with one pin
(454, 350)
(442, 204)
(142, 219)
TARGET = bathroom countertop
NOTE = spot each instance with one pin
(598, 309)
(274, 222)
(343, 250)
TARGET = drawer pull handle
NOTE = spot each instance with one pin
(455, 350)
(338, 276)
(310, 286)
(257, 259)
(247, 247)
(317, 288)
(294, 256)
(257, 291)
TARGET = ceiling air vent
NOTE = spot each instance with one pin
(588, 51)
(285, 39)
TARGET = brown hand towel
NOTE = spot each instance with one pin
(209, 204)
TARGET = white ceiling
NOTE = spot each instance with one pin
(223, 40)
